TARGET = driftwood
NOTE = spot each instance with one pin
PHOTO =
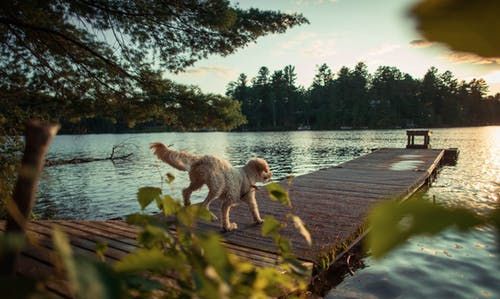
(113, 157)
(38, 138)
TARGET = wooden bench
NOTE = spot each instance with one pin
(411, 139)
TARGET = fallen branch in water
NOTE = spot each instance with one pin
(112, 157)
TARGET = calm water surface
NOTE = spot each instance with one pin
(453, 265)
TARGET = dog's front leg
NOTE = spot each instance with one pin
(254, 209)
(227, 225)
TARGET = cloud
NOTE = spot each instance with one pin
(320, 48)
(461, 57)
(492, 78)
(420, 43)
(216, 70)
(305, 2)
(372, 55)
(310, 44)
(383, 49)
(299, 40)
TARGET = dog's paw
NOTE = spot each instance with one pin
(259, 221)
(232, 226)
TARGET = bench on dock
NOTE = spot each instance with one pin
(332, 202)
(411, 138)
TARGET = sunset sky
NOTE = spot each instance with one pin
(340, 33)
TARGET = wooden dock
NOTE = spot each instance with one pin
(332, 202)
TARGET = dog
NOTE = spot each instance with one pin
(228, 183)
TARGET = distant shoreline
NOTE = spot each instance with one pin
(145, 131)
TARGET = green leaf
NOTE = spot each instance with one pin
(142, 283)
(144, 260)
(63, 249)
(284, 245)
(100, 250)
(152, 236)
(190, 214)
(271, 226)
(392, 223)
(277, 193)
(170, 206)
(269, 279)
(98, 280)
(463, 25)
(170, 178)
(87, 278)
(144, 220)
(11, 242)
(215, 254)
(298, 267)
(299, 225)
(146, 195)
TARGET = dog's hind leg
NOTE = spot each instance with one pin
(211, 196)
(186, 192)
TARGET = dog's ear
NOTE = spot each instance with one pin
(260, 165)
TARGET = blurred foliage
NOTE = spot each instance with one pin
(463, 25)
(392, 223)
(175, 260)
(10, 154)
(278, 193)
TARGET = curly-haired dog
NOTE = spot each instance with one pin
(224, 181)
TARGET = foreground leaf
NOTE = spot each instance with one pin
(169, 205)
(152, 236)
(11, 242)
(463, 25)
(299, 225)
(278, 193)
(189, 215)
(144, 220)
(271, 226)
(392, 223)
(170, 178)
(63, 249)
(215, 254)
(146, 195)
(143, 260)
(87, 278)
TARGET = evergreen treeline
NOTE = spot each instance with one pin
(354, 98)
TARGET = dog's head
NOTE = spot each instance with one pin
(261, 169)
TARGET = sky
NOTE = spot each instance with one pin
(340, 33)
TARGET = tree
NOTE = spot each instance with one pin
(320, 96)
(261, 99)
(94, 46)
(359, 78)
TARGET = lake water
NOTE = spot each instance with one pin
(452, 265)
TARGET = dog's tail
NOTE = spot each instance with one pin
(178, 160)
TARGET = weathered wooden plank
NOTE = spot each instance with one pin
(92, 234)
(81, 243)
